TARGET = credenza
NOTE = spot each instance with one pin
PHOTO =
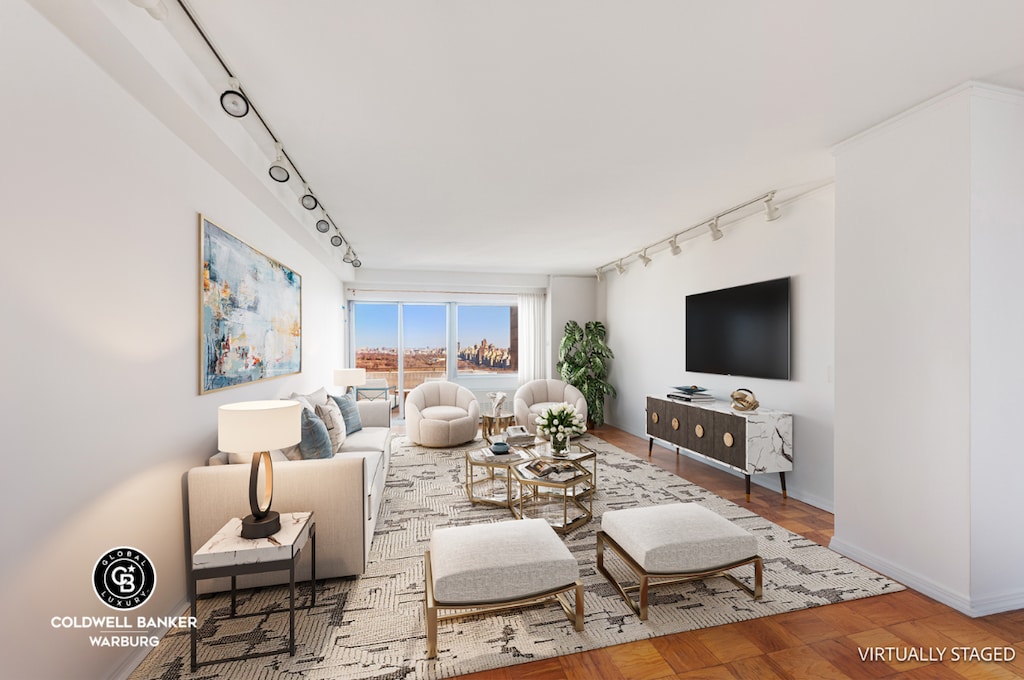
(750, 442)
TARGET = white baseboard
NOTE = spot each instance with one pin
(925, 586)
(128, 666)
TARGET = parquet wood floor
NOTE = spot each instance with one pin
(813, 644)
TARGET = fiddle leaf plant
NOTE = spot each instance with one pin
(583, 362)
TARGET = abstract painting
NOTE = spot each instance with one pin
(250, 313)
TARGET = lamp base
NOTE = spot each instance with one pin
(253, 527)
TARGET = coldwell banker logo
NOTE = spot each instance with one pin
(124, 578)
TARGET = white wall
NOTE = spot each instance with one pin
(570, 298)
(928, 214)
(997, 363)
(645, 310)
(102, 417)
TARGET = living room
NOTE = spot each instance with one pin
(902, 255)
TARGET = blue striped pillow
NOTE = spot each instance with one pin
(349, 412)
(316, 440)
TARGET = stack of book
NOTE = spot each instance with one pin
(690, 393)
(517, 435)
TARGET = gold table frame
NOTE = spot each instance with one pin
(477, 459)
(545, 488)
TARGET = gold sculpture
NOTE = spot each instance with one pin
(744, 400)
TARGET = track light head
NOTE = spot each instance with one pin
(620, 268)
(771, 211)
(336, 240)
(308, 200)
(716, 233)
(323, 225)
(357, 263)
(674, 246)
(643, 258)
(600, 274)
(349, 257)
(233, 101)
(278, 171)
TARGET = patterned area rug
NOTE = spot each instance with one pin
(372, 626)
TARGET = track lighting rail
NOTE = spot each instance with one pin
(307, 198)
(712, 223)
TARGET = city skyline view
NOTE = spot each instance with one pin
(425, 325)
(483, 342)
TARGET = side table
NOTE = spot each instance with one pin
(228, 554)
(492, 423)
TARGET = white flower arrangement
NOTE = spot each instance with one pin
(562, 421)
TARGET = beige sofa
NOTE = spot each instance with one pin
(344, 492)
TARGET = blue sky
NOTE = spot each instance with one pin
(377, 324)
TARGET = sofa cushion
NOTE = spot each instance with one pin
(316, 441)
(349, 411)
(445, 413)
(366, 439)
(330, 413)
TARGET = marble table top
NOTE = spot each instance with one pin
(228, 548)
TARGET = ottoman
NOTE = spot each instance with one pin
(485, 568)
(677, 542)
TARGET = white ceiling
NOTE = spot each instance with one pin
(557, 135)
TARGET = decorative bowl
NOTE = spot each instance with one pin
(499, 447)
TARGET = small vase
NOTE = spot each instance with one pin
(559, 444)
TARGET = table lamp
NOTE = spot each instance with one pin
(349, 377)
(257, 427)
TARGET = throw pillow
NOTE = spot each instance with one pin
(312, 399)
(316, 441)
(330, 413)
(350, 412)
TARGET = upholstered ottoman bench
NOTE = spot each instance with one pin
(484, 568)
(678, 542)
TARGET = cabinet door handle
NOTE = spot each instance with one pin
(675, 423)
(654, 417)
(728, 439)
(698, 430)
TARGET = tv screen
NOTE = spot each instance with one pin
(741, 331)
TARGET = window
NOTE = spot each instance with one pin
(409, 343)
(376, 339)
(487, 339)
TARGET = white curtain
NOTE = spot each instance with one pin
(532, 361)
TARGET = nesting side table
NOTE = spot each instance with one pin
(228, 554)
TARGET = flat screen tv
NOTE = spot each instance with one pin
(742, 331)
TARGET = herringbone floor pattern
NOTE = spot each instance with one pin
(824, 642)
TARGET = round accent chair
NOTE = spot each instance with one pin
(440, 413)
(536, 396)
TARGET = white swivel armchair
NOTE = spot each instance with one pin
(439, 414)
(536, 396)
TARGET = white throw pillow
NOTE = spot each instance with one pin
(331, 415)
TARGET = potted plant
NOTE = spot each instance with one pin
(583, 362)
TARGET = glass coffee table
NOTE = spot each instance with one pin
(487, 476)
(553, 489)
(577, 452)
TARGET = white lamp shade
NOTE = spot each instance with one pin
(249, 426)
(349, 377)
